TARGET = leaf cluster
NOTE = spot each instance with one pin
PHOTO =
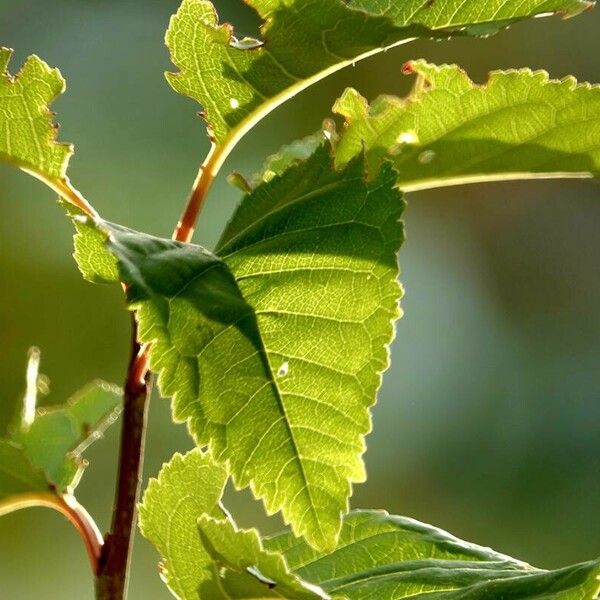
(272, 346)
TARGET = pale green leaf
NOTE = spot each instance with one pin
(41, 456)
(518, 125)
(239, 81)
(245, 570)
(273, 349)
(53, 442)
(383, 557)
(96, 264)
(27, 133)
(17, 475)
(187, 487)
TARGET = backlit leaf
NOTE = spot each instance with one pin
(27, 133)
(518, 125)
(244, 569)
(53, 442)
(17, 475)
(383, 557)
(42, 452)
(238, 81)
(27, 129)
(273, 347)
(187, 487)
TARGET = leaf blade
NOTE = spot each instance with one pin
(218, 327)
(239, 81)
(252, 571)
(389, 557)
(29, 135)
(17, 475)
(518, 125)
(186, 488)
(53, 442)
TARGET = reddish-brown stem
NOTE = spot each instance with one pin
(113, 570)
(67, 506)
(185, 228)
(111, 581)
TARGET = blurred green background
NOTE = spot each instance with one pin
(488, 423)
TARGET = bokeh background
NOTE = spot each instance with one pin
(488, 422)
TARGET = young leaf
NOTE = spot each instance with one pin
(250, 571)
(42, 454)
(187, 487)
(388, 558)
(518, 125)
(17, 475)
(54, 441)
(239, 81)
(27, 133)
(273, 349)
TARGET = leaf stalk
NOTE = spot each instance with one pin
(66, 505)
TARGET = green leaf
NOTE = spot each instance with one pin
(27, 129)
(389, 558)
(42, 453)
(294, 153)
(245, 569)
(273, 348)
(239, 81)
(187, 487)
(54, 441)
(96, 263)
(27, 133)
(518, 125)
(17, 475)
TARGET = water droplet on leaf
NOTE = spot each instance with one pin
(407, 137)
(283, 369)
(234, 103)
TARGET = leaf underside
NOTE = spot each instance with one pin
(383, 557)
(273, 347)
(239, 81)
(377, 557)
(18, 476)
(251, 571)
(520, 124)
